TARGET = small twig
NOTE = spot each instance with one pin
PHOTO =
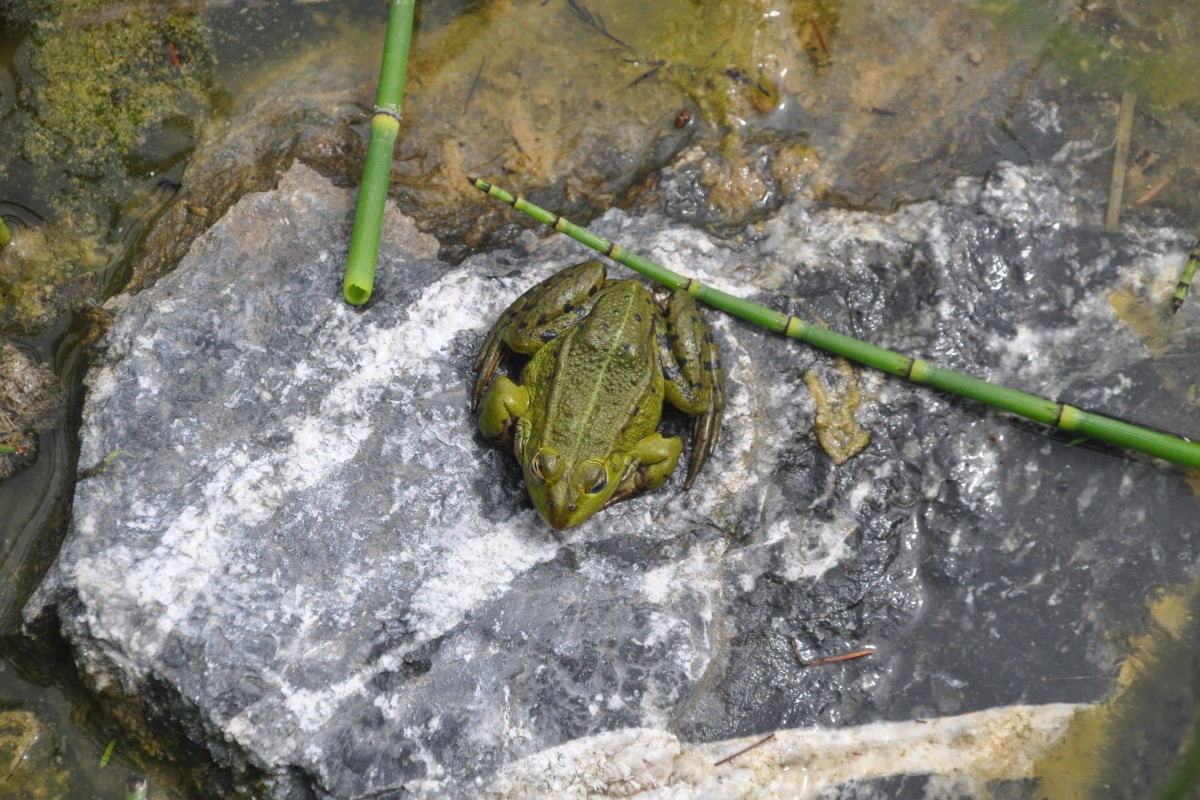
(820, 39)
(596, 23)
(474, 85)
(822, 661)
(1120, 155)
(21, 759)
(650, 73)
(1153, 191)
(745, 750)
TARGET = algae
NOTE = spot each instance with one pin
(30, 767)
(1122, 736)
(837, 430)
(1145, 46)
(100, 90)
(103, 104)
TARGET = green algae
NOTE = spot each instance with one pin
(107, 96)
(1150, 704)
(29, 765)
(101, 89)
(1144, 47)
(44, 272)
(729, 58)
(840, 435)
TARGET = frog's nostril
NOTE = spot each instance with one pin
(572, 508)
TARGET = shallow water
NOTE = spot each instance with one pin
(837, 101)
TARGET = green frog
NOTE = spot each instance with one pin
(604, 355)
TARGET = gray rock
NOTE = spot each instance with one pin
(306, 548)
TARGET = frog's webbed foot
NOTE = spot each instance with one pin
(538, 316)
(695, 380)
(655, 459)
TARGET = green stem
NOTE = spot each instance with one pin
(1058, 415)
(8, 450)
(5, 234)
(385, 127)
(1185, 281)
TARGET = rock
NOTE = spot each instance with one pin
(305, 557)
(964, 753)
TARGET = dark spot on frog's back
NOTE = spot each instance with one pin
(567, 308)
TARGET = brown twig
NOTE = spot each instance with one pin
(820, 39)
(29, 744)
(1153, 191)
(822, 661)
(745, 750)
(1116, 188)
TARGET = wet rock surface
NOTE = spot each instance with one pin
(305, 548)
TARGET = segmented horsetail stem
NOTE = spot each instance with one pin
(1047, 412)
(377, 168)
(1185, 280)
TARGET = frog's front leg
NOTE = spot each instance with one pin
(655, 459)
(502, 404)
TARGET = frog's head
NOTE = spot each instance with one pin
(567, 494)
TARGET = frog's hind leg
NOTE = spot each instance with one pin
(551, 307)
(542, 313)
(694, 377)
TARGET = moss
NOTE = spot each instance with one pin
(108, 94)
(102, 87)
(42, 273)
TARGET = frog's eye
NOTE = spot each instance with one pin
(593, 477)
(545, 466)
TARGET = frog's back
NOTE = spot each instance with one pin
(599, 385)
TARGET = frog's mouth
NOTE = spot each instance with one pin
(565, 506)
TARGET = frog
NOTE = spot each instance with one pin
(604, 355)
